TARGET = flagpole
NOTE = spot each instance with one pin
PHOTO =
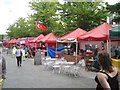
(56, 49)
(110, 47)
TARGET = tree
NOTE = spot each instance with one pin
(85, 15)
(46, 12)
(18, 29)
(59, 18)
(115, 10)
(1, 37)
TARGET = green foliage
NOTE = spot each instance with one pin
(1, 37)
(46, 12)
(59, 18)
(115, 9)
(18, 29)
(85, 15)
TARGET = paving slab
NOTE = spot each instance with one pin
(35, 76)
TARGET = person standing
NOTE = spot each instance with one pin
(14, 50)
(2, 70)
(26, 52)
(107, 77)
(23, 53)
(18, 54)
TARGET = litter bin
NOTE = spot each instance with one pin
(37, 58)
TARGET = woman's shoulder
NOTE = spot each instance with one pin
(101, 77)
(102, 74)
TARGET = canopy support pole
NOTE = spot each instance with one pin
(56, 49)
(76, 50)
(107, 46)
(110, 48)
(47, 48)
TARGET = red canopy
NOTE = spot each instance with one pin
(50, 38)
(37, 38)
(18, 40)
(12, 41)
(99, 33)
(74, 34)
(29, 39)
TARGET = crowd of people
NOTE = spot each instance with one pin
(117, 53)
(27, 52)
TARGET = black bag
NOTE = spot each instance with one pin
(20, 53)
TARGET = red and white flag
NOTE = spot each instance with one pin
(40, 26)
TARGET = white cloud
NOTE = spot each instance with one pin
(111, 2)
(11, 10)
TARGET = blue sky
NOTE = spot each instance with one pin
(11, 10)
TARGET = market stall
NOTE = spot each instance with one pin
(50, 41)
(100, 33)
(115, 36)
(71, 38)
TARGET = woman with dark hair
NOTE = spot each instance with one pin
(18, 54)
(107, 77)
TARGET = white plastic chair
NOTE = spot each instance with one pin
(48, 63)
(74, 70)
(57, 66)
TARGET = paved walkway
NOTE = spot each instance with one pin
(35, 76)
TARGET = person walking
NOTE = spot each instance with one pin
(2, 70)
(107, 77)
(18, 54)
